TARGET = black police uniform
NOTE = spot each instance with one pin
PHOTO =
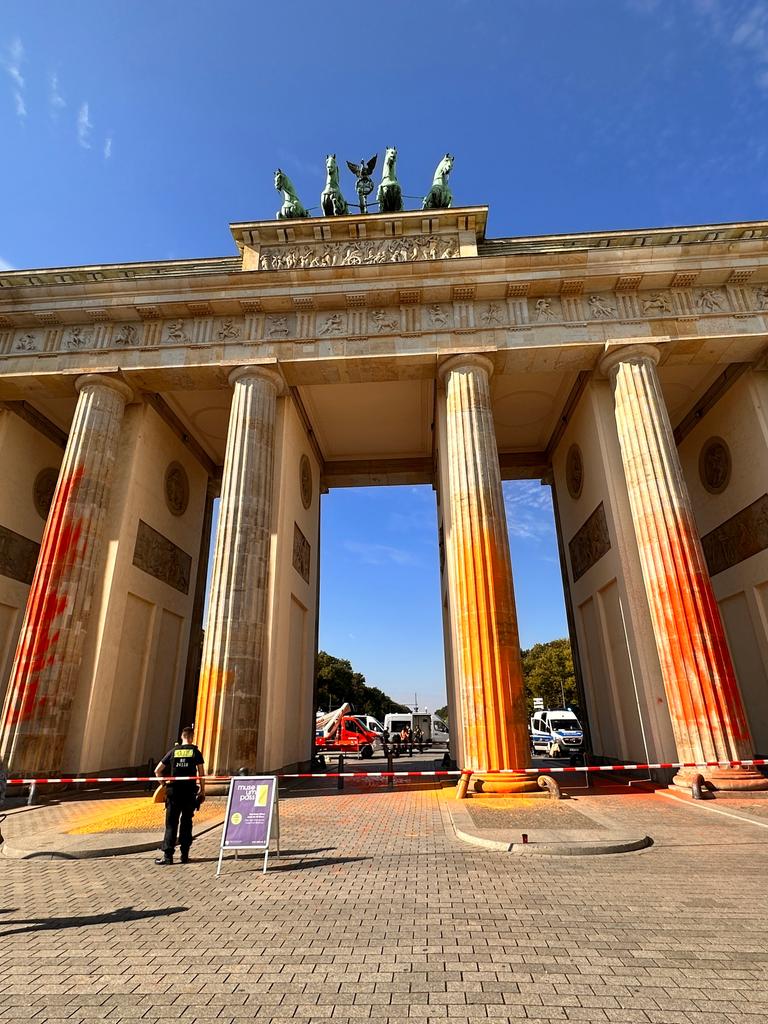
(183, 759)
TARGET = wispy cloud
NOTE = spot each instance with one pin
(5, 265)
(380, 554)
(740, 26)
(84, 127)
(55, 100)
(750, 35)
(529, 510)
(12, 63)
(108, 147)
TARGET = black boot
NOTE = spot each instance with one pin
(165, 859)
(185, 857)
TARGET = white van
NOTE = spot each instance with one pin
(371, 723)
(435, 730)
(566, 736)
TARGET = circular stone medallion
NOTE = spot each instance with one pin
(574, 471)
(305, 481)
(715, 465)
(42, 491)
(176, 489)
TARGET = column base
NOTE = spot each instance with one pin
(728, 779)
(513, 783)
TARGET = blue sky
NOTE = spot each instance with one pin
(134, 130)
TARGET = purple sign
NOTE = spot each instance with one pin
(249, 812)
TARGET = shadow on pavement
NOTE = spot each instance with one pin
(276, 864)
(123, 914)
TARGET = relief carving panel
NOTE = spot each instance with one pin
(739, 537)
(589, 543)
(18, 556)
(359, 253)
(161, 558)
(301, 553)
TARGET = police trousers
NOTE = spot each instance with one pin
(179, 808)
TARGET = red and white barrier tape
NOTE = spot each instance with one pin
(386, 775)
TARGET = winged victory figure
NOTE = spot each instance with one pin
(363, 182)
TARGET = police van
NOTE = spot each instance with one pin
(557, 733)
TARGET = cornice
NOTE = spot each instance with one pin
(531, 257)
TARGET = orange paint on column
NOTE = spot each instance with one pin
(36, 713)
(707, 714)
(487, 651)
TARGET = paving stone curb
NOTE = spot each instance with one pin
(585, 844)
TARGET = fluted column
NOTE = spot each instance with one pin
(229, 697)
(37, 708)
(487, 659)
(705, 705)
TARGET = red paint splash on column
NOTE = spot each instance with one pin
(36, 652)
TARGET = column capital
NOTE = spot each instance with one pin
(266, 373)
(467, 361)
(90, 379)
(628, 350)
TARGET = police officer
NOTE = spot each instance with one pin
(182, 799)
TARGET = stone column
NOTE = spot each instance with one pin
(229, 696)
(487, 649)
(705, 705)
(36, 714)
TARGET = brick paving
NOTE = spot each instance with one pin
(377, 911)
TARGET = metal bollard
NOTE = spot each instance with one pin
(697, 787)
(32, 794)
(550, 784)
(341, 769)
(390, 769)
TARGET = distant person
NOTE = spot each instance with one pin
(418, 735)
(405, 739)
(182, 799)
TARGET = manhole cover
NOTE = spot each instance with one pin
(529, 815)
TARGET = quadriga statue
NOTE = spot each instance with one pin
(389, 195)
(332, 201)
(439, 196)
(291, 208)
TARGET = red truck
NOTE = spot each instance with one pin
(342, 732)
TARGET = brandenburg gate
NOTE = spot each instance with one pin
(625, 369)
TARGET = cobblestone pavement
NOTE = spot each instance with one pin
(377, 911)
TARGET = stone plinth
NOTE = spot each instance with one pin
(487, 651)
(704, 701)
(229, 698)
(38, 703)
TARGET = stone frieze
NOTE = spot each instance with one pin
(308, 325)
(18, 556)
(161, 558)
(743, 535)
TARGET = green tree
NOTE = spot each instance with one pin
(442, 713)
(548, 672)
(338, 683)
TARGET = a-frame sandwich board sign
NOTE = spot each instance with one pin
(252, 806)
